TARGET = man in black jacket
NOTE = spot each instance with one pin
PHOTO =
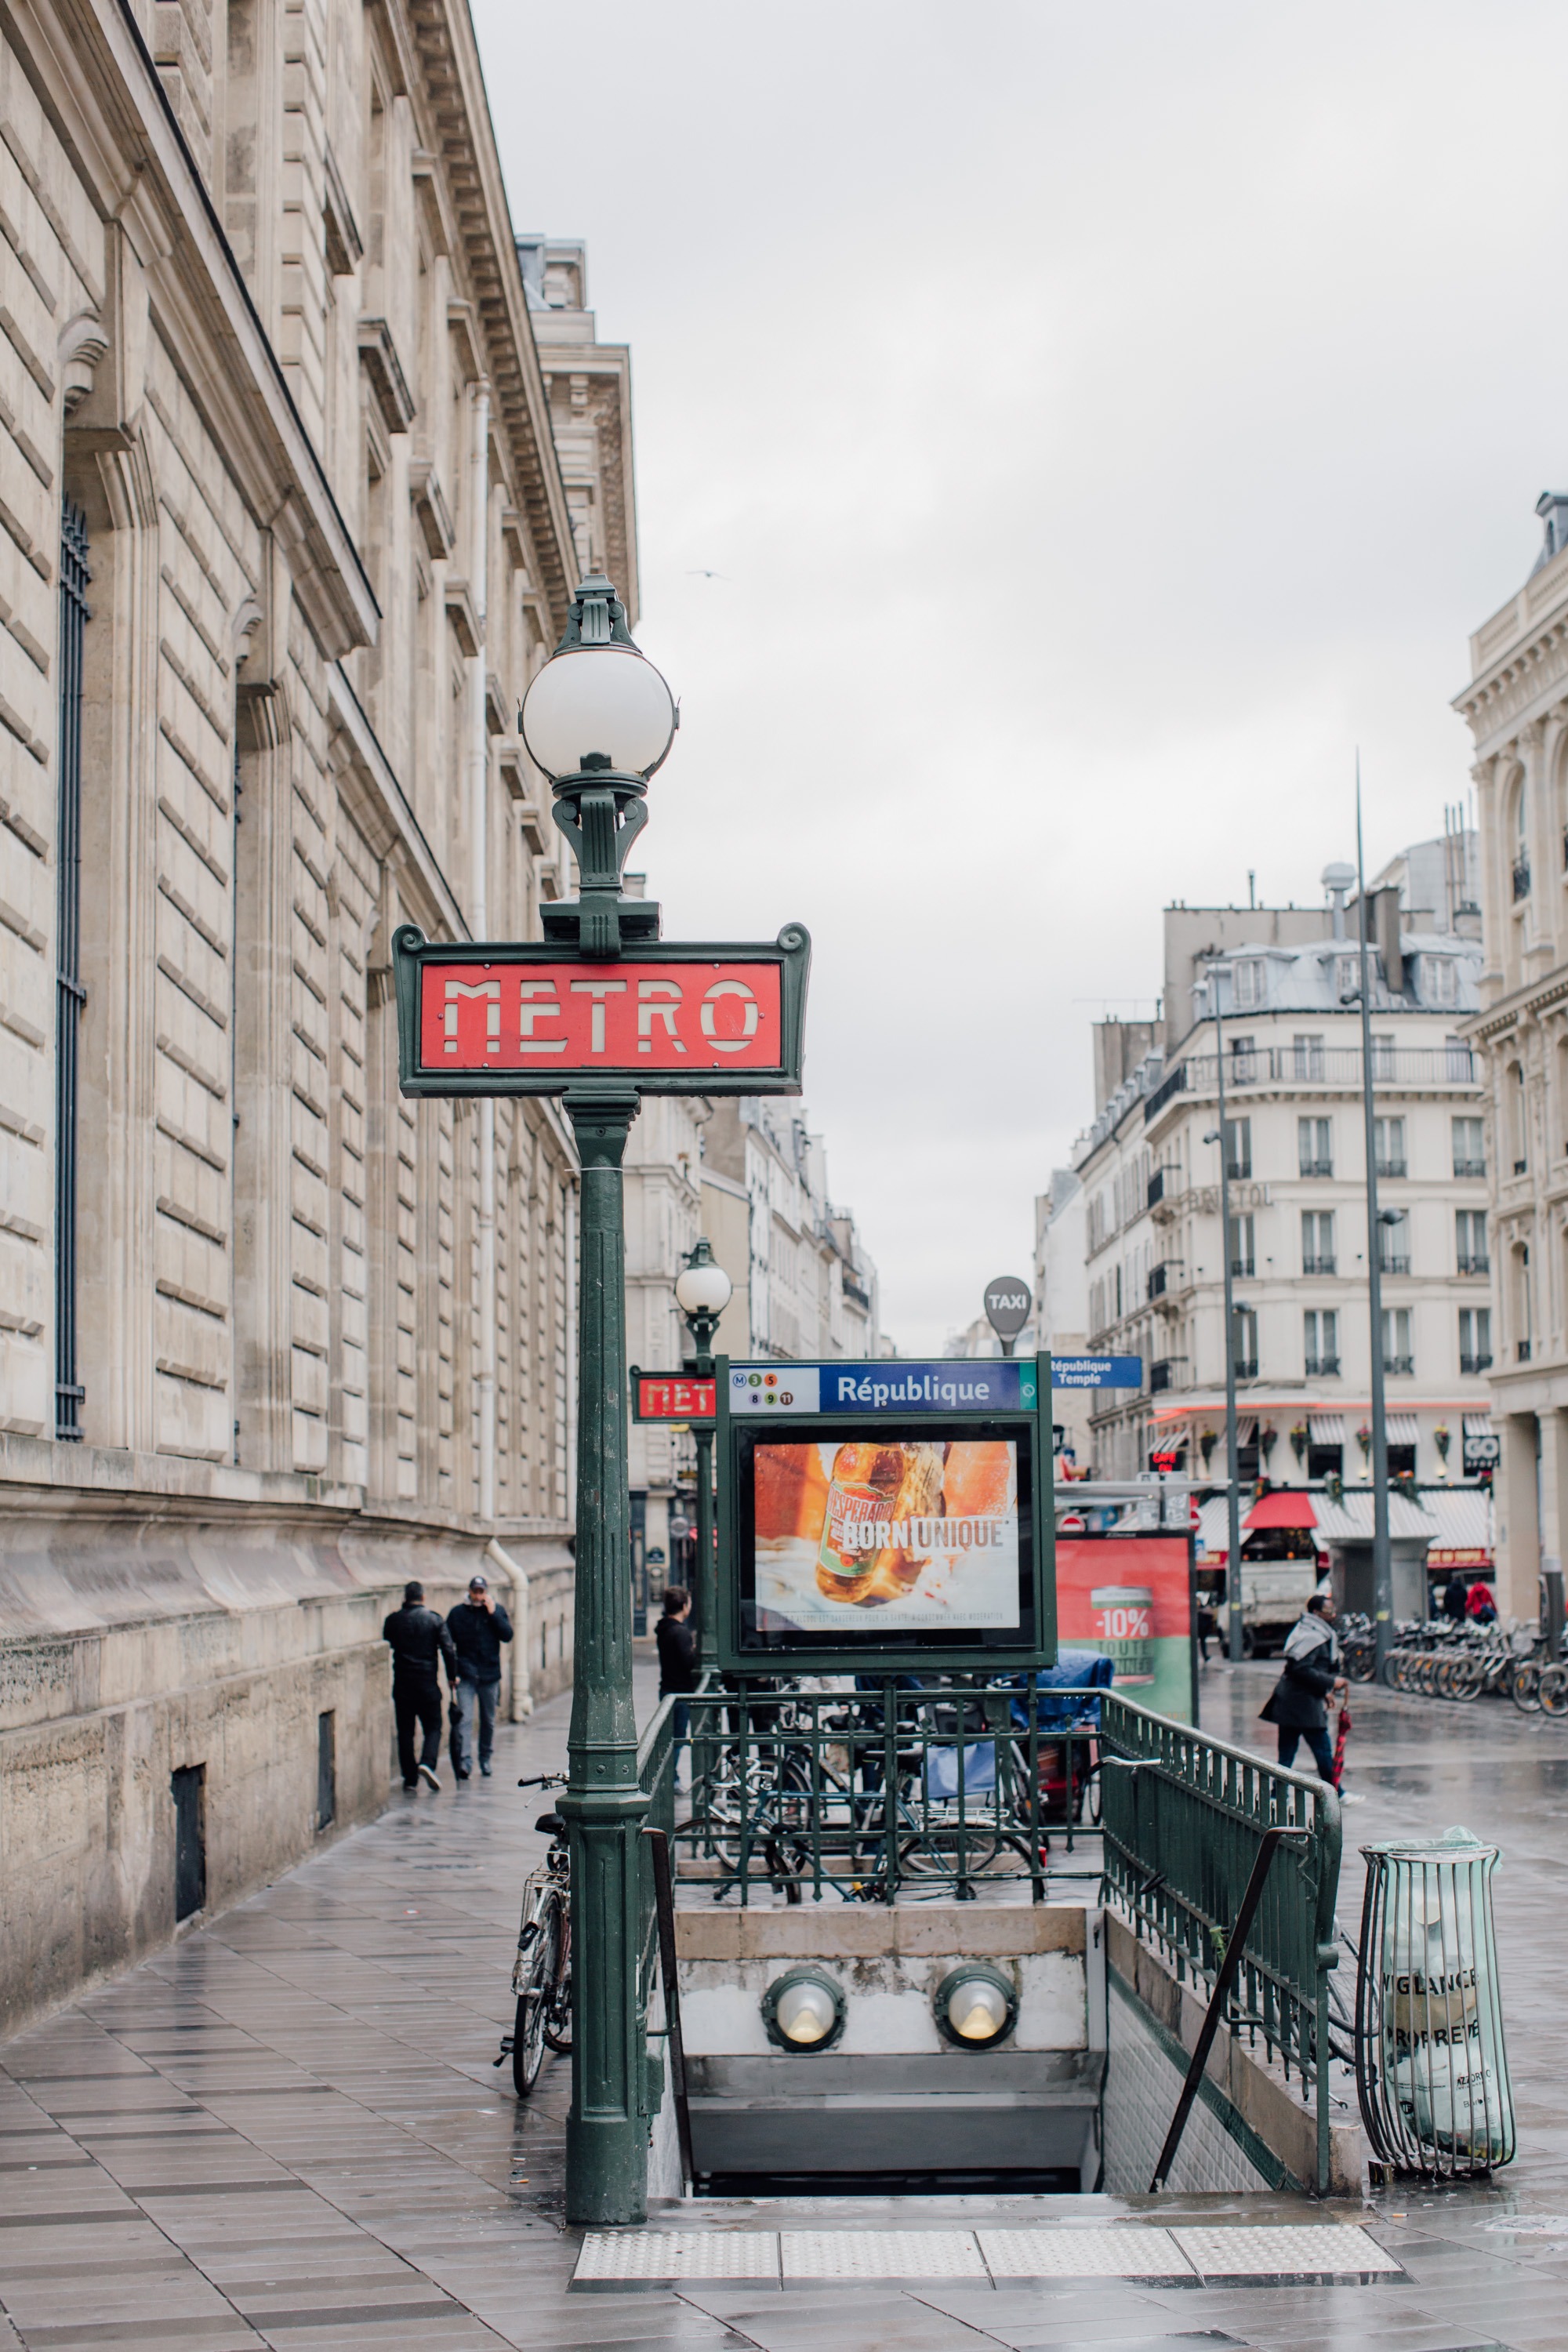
(478, 1626)
(676, 1647)
(419, 1642)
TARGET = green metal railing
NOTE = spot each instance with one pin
(883, 1794)
(1184, 1818)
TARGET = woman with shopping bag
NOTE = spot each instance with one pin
(1298, 1705)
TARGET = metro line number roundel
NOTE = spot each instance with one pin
(626, 1015)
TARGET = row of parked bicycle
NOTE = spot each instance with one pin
(1462, 1661)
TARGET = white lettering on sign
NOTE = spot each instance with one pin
(489, 990)
(707, 1015)
(650, 1009)
(598, 989)
(528, 1012)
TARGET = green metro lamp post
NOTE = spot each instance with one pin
(702, 1291)
(600, 1012)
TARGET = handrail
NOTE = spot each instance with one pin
(1184, 1817)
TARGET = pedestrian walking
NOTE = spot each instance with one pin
(478, 1626)
(676, 1647)
(419, 1642)
(1456, 1596)
(1298, 1705)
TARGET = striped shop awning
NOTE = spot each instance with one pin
(1478, 1424)
(1403, 1428)
(1327, 1428)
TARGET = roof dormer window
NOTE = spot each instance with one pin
(1247, 984)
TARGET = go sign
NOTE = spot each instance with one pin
(1008, 1305)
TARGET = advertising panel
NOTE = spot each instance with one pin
(912, 1534)
(1129, 1598)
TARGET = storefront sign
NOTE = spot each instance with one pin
(1129, 1598)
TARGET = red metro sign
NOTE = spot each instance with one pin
(626, 1015)
(525, 1018)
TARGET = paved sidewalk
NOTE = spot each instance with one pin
(285, 2130)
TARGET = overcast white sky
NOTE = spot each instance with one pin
(1104, 418)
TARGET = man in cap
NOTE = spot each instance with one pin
(419, 1642)
(478, 1626)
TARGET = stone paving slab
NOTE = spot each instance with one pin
(285, 2131)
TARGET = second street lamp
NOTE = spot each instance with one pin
(702, 1291)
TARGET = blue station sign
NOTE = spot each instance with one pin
(1097, 1371)
(967, 1385)
(964, 1384)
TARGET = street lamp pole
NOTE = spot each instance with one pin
(1381, 1563)
(597, 690)
(702, 1291)
(1233, 1603)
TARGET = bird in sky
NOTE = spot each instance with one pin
(697, 572)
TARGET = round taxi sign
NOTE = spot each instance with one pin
(1008, 1305)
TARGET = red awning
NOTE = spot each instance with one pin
(1282, 1510)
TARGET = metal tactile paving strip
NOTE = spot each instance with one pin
(634, 2255)
(880, 2254)
(1130, 2252)
(1291, 2251)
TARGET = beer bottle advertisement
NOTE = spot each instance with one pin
(921, 1535)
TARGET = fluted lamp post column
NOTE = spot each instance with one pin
(702, 1291)
(598, 719)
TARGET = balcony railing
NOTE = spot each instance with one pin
(1399, 1367)
(1322, 1368)
(1394, 1262)
(1334, 1068)
(1320, 1265)
(1316, 1167)
(1246, 1367)
(1156, 1187)
(1243, 1269)
(1394, 1167)
(1478, 1363)
(1469, 1263)
(1521, 878)
(1469, 1167)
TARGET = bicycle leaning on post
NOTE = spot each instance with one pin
(541, 1972)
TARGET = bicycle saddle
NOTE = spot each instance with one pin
(550, 1824)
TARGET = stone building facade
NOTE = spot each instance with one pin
(804, 1287)
(1517, 709)
(1154, 1247)
(300, 457)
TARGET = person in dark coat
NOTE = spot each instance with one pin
(419, 1642)
(1298, 1705)
(1456, 1594)
(676, 1647)
(478, 1626)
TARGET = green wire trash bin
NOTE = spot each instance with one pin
(1431, 2068)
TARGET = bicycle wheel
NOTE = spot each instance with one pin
(528, 2038)
(1524, 1686)
(558, 2001)
(1554, 1691)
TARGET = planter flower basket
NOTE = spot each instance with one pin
(1299, 1441)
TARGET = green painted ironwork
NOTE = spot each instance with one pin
(1184, 1818)
(883, 1794)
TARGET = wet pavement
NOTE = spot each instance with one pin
(285, 2130)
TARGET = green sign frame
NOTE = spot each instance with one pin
(412, 953)
(898, 1653)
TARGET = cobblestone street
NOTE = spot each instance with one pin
(285, 2130)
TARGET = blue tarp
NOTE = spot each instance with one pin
(1074, 1669)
